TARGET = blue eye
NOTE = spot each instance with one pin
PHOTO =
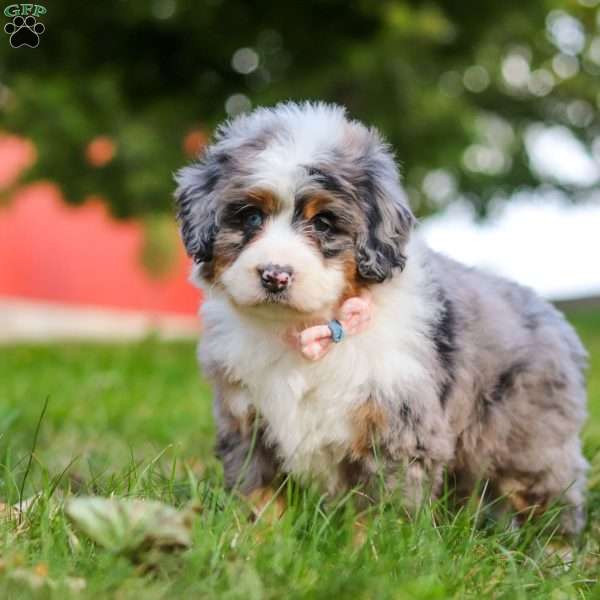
(254, 219)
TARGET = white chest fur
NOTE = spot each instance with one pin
(308, 406)
(305, 405)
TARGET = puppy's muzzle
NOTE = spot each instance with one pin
(275, 278)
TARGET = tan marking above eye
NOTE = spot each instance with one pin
(313, 206)
(264, 200)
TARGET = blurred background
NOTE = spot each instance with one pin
(492, 109)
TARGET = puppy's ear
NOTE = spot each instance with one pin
(196, 202)
(388, 219)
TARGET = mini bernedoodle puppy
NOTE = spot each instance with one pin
(288, 214)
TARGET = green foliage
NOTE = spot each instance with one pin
(133, 422)
(159, 251)
(453, 85)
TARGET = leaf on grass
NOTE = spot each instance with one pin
(131, 526)
(37, 577)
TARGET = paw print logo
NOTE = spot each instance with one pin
(24, 31)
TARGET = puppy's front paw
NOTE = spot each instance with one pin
(266, 504)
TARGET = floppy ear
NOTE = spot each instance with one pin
(196, 204)
(388, 221)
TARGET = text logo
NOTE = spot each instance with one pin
(24, 29)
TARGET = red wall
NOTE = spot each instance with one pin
(81, 255)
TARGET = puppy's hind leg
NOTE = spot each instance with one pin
(561, 483)
(532, 418)
(566, 484)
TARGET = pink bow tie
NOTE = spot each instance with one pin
(354, 316)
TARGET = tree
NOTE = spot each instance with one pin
(118, 89)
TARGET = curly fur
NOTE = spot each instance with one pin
(460, 371)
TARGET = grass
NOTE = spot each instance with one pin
(135, 421)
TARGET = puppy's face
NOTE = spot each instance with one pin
(291, 251)
(294, 209)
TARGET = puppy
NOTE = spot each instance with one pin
(294, 210)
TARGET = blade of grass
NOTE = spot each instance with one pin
(30, 461)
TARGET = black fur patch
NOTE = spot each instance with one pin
(505, 383)
(444, 338)
(409, 416)
(198, 228)
(381, 254)
(531, 321)
(331, 252)
(405, 412)
(227, 442)
(328, 181)
(353, 472)
(245, 466)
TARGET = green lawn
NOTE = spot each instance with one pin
(135, 420)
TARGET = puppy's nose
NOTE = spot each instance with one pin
(275, 278)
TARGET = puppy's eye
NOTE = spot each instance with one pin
(323, 222)
(253, 218)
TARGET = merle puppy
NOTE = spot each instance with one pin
(294, 210)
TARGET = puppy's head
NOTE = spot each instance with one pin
(293, 209)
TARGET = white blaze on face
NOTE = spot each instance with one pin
(316, 286)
